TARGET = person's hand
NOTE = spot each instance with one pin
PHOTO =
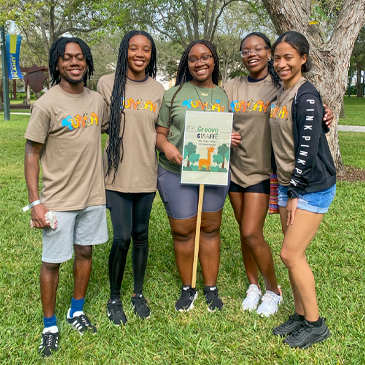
(235, 139)
(38, 216)
(291, 208)
(172, 154)
(328, 117)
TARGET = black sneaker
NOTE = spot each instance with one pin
(140, 306)
(186, 300)
(307, 335)
(80, 322)
(288, 326)
(115, 312)
(212, 298)
(49, 343)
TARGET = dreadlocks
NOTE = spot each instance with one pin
(58, 50)
(183, 73)
(270, 65)
(117, 103)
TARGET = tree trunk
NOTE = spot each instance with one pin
(331, 58)
(358, 83)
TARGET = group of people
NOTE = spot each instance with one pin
(279, 124)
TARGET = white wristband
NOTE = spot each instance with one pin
(31, 205)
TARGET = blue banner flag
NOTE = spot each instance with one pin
(13, 53)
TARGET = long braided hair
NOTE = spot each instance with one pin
(270, 65)
(183, 73)
(117, 103)
(57, 50)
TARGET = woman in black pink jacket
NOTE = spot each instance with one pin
(307, 182)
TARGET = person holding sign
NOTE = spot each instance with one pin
(130, 163)
(196, 89)
(307, 182)
(250, 100)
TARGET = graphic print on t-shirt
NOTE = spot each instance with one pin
(139, 104)
(249, 106)
(79, 121)
(206, 106)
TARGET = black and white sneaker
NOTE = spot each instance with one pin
(49, 342)
(115, 312)
(80, 322)
(140, 306)
(289, 326)
(212, 298)
(186, 300)
(307, 335)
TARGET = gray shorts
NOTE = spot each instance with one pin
(80, 227)
(181, 200)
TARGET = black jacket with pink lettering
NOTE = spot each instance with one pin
(314, 167)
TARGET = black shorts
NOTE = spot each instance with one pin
(262, 187)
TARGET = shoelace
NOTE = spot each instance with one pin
(140, 302)
(85, 320)
(304, 326)
(292, 318)
(268, 298)
(49, 339)
(116, 308)
(189, 293)
(252, 292)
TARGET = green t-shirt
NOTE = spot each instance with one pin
(188, 98)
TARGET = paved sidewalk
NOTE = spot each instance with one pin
(351, 128)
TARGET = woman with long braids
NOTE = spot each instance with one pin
(196, 89)
(130, 163)
(250, 99)
(307, 182)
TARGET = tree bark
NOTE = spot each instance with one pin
(331, 58)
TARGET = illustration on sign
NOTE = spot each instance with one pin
(207, 140)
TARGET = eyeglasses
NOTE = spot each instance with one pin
(203, 59)
(246, 52)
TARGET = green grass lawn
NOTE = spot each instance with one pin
(354, 111)
(337, 257)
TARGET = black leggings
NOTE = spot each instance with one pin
(130, 214)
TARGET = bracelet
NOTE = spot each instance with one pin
(31, 205)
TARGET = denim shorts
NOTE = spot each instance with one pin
(317, 202)
(80, 227)
(181, 200)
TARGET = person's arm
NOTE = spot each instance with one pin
(31, 171)
(163, 145)
(328, 118)
(309, 121)
(106, 111)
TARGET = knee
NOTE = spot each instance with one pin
(50, 267)
(287, 258)
(251, 238)
(140, 237)
(122, 244)
(211, 228)
(85, 252)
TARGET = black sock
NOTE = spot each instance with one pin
(316, 323)
(301, 317)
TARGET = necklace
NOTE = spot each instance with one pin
(205, 106)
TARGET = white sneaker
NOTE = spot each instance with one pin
(252, 299)
(270, 303)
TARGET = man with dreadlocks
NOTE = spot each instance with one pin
(64, 135)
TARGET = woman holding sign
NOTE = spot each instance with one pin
(250, 99)
(196, 89)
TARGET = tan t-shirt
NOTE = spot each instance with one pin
(69, 126)
(281, 125)
(137, 173)
(250, 102)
